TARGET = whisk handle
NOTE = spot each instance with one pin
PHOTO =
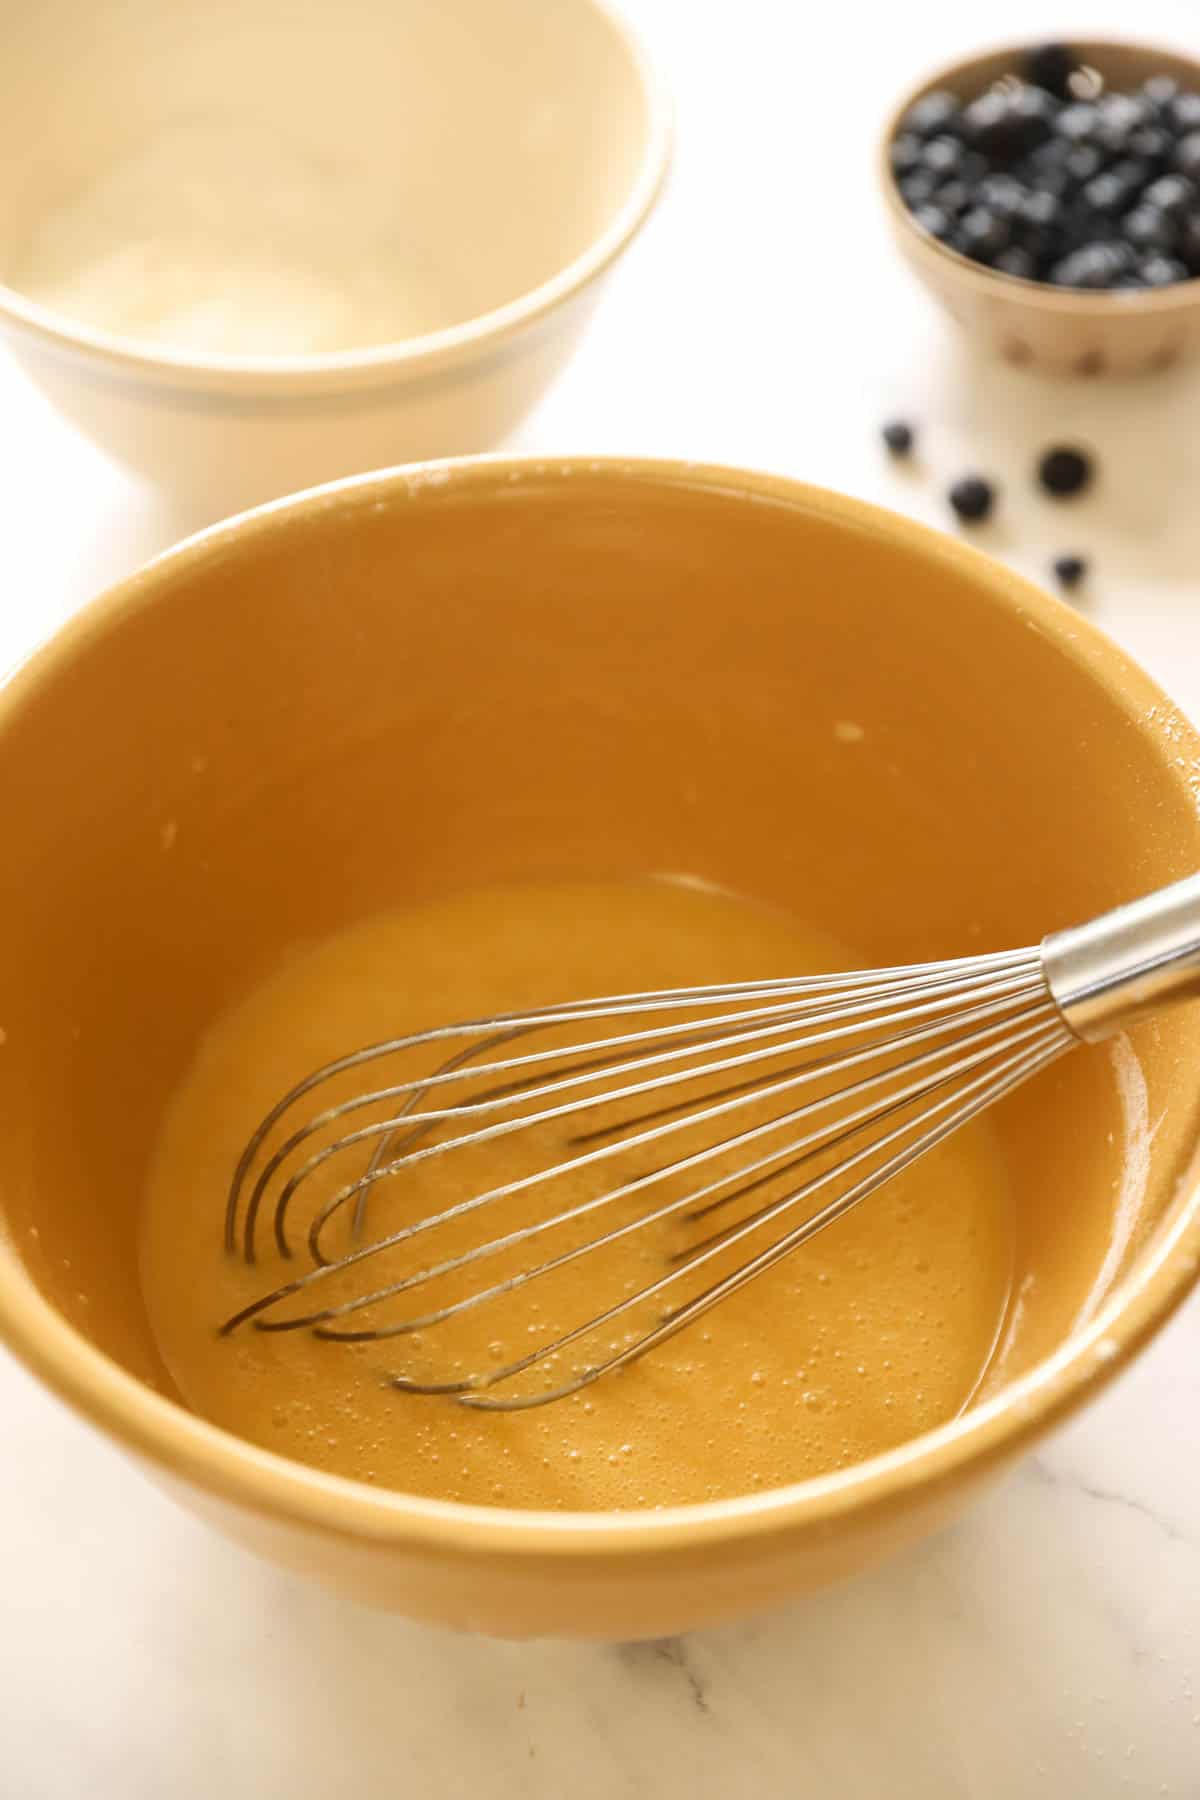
(1127, 962)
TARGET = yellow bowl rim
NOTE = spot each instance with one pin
(220, 1464)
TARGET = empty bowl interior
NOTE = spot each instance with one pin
(412, 687)
(407, 165)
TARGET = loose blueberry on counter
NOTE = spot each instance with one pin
(1064, 470)
(1069, 571)
(972, 499)
(899, 436)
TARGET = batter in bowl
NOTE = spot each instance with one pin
(876, 1331)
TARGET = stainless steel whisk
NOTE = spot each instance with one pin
(894, 1061)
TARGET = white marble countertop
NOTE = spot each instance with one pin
(1047, 1646)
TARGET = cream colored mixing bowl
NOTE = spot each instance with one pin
(572, 669)
(248, 246)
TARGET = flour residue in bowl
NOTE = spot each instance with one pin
(876, 1331)
(233, 238)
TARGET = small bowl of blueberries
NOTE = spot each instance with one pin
(1049, 197)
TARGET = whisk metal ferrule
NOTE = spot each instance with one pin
(1127, 962)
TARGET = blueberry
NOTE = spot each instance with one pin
(1074, 270)
(984, 115)
(1040, 209)
(1069, 571)
(1120, 115)
(1054, 181)
(1049, 158)
(972, 499)
(1148, 228)
(1162, 271)
(1038, 227)
(1122, 260)
(1160, 92)
(1032, 113)
(1063, 470)
(919, 187)
(1107, 193)
(942, 156)
(933, 113)
(1187, 155)
(1050, 66)
(1185, 112)
(1002, 126)
(983, 234)
(1172, 194)
(899, 436)
(1078, 123)
(1084, 163)
(1017, 261)
(953, 196)
(906, 153)
(1001, 195)
(1152, 143)
(932, 219)
(1134, 171)
(1080, 229)
(1094, 265)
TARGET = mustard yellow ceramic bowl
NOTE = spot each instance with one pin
(1029, 323)
(248, 247)
(665, 653)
